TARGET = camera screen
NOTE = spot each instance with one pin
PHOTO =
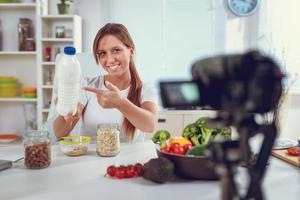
(180, 94)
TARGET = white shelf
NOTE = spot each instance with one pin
(45, 110)
(17, 5)
(58, 17)
(16, 53)
(57, 39)
(48, 63)
(18, 99)
(47, 86)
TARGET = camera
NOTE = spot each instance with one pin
(250, 81)
(240, 87)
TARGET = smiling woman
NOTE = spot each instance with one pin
(117, 97)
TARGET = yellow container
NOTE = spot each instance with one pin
(9, 87)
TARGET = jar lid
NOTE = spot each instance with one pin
(74, 139)
(108, 125)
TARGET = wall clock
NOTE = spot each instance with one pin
(243, 7)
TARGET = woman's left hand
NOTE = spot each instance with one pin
(110, 98)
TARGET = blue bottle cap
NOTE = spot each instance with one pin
(69, 50)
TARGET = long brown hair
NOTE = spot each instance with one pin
(134, 94)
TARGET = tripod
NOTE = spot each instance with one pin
(228, 155)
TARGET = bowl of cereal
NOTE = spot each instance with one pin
(74, 145)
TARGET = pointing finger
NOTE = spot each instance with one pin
(94, 90)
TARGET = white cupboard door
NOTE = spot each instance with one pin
(172, 123)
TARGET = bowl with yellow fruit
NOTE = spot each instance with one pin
(187, 151)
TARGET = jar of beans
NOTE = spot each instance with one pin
(108, 140)
(37, 149)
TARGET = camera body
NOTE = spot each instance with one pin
(250, 82)
(240, 86)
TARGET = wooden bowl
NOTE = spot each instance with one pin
(191, 167)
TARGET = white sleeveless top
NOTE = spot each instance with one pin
(94, 114)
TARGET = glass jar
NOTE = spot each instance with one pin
(37, 153)
(25, 30)
(60, 31)
(108, 139)
(47, 55)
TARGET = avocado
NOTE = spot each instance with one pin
(158, 170)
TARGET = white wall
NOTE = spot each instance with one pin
(171, 34)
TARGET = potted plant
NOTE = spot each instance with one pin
(64, 7)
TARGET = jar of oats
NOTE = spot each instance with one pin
(108, 139)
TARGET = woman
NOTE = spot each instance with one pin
(117, 97)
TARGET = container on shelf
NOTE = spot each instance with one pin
(29, 44)
(37, 152)
(48, 77)
(9, 87)
(108, 139)
(60, 31)
(30, 92)
(47, 54)
(25, 30)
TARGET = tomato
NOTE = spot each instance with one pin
(120, 173)
(138, 169)
(186, 147)
(294, 151)
(130, 172)
(178, 150)
(111, 170)
(165, 149)
(173, 146)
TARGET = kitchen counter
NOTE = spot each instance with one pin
(83, 178)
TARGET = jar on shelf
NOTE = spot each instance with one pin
(60, 32)
(25, 30)
(37, 153)
(47, 54)
(29, 44)
(108, 139)
(48, 77)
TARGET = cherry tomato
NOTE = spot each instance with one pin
(111, 170)
(173, 146)
(178, 150)
(138, 169)
(120, 173)
(186, 147)
(130, 172)
(165, 149)
(294, 151)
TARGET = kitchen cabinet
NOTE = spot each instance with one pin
(19, 64)
(33, 68)
(57, 31)
(175, 120)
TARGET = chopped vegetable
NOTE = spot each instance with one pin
(161, 137)
(294, 151)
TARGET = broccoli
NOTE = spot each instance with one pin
(222, 133)
(161, 137)
(206, 135)
(192, 133)
(201, 122)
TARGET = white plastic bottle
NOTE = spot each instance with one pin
(68, 75)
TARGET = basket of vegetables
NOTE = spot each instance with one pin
(187, 152)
